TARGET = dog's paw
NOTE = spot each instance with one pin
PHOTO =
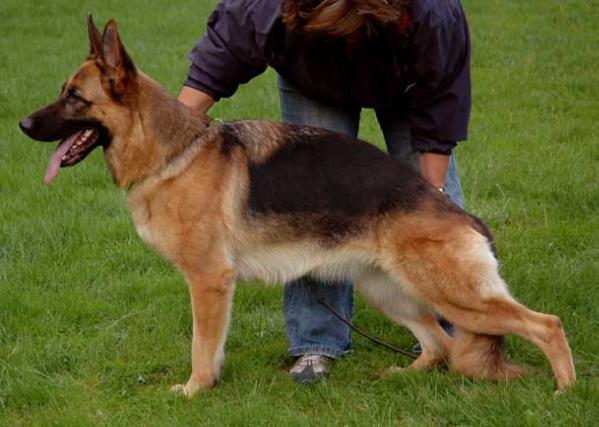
(394, 370)
(564, 388)
(178, 388)
(193, 386)
(187, 390)
(560, 391)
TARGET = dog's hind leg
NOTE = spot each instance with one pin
(211, 290)
(385, 295)
(458, 276)
(480, 330)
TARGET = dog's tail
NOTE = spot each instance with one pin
(481, 356)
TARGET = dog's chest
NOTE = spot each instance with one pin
(146, 226)
(143, 224)
(144, 231)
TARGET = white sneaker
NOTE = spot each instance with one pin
(310, 368)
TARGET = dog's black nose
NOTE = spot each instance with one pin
(26, 124)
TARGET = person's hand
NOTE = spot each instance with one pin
(433, 168)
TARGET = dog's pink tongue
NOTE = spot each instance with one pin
(57, 158)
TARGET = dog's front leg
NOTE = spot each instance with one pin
(211, 296)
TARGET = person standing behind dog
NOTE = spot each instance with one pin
(409, 60)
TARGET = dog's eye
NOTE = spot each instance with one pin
(72, 93)
(74, 96)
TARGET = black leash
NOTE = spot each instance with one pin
(364, 334)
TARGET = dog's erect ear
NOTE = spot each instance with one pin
(113, 52)
(95, 37)
(118, 65)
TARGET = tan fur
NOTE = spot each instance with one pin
(188, 202)
(480, 356)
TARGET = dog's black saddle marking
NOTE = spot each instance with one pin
(325, 172)
(230, 138)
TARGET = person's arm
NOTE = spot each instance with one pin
(233, 50)
(433, 168)
(439, 88)
(196, 99)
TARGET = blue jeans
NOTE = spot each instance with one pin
(311, 328)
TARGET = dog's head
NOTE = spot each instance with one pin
(94, 106)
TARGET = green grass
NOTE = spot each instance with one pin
(94, 327)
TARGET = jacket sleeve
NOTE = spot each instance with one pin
(438, 89)
(233, 50)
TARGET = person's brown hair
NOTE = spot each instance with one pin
(345, 18)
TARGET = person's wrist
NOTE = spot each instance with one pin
(436, 182)
(195, 99)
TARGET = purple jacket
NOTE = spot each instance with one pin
(426, 73)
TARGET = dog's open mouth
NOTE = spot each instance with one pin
(72, 150)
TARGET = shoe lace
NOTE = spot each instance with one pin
(310, 359)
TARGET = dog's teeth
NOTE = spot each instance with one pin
(88, 132)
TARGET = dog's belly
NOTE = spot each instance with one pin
(285, 262)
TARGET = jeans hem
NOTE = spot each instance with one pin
(327, 351)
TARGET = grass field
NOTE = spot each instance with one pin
(95, 327)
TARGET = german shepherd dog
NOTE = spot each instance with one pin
(270, 201)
